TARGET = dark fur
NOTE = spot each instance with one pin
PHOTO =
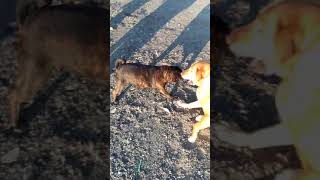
(69, 37)
(26, 8)
(219, 31)
(144, 76)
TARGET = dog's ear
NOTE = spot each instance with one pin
(286, 39)
(203, 71)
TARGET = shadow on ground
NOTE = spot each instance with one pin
(193, 38)
(141, 33)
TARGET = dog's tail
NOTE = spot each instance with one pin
(26, 9)
(119, 62)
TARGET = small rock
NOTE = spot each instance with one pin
(166, 110)
(112, 111)
(71, 87)
(11, 156)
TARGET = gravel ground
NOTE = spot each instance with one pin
(147, 128)
(65, 139)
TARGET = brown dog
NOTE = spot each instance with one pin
(286, 37)
(144, 76)
(199, 74)
(72, 38)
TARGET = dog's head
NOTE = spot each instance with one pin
(196, 72)
(171, 73)
(277, 35)
(258, 39)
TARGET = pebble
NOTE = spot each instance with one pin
(166, 110)
(11, 156)
(71, 87)
(113, 110)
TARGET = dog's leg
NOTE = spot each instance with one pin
(288, 175)
(309, 176)
(14, 103)
(192, 105)
(260, 139)
(15, 92)
(163, 90)
(308, 152)
(30, 77)
(202, 124)
(117, 89)
(300, 174)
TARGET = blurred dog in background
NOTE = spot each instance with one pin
(68, 37)
(285, 36)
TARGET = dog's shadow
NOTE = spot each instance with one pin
(257, 109)
(182, 91)
(264, 112)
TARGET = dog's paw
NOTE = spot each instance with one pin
(192, 139)
(187, 145)
(114, 101)
(180, 103)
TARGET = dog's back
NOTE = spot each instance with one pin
(68, 36)
(137, 74)
(140, 74)
(144, 76)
